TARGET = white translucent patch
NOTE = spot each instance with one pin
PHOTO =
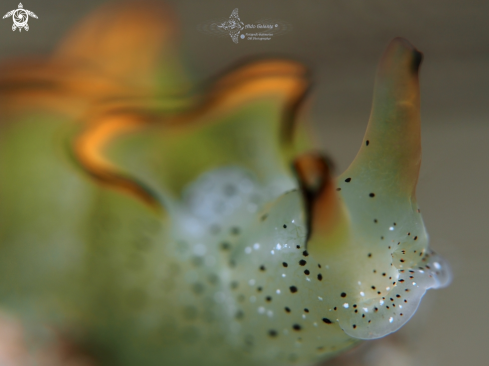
(210, 261)
(219, 297)
(220, 193)
(200, 249)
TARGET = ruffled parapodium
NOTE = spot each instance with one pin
(65, 239)
(245, 117)
(121, 50)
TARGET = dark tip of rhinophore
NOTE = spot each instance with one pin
(417, 59)
(417, 55)
(314, 171)
(400, 49)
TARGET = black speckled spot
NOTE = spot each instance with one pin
(225, 246)
(198, 288)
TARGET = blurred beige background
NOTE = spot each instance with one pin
(342, 41)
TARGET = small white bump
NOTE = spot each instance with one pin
(200, 249)
(391, 228)
(362, 293)
(400, 306)
(315, 324)
(270, 313)
(391, 319)
(235, 327)
(365, 309)
(219, 297)
(308, 279)
(251, 282)
(303, 316)
(273, 252)
(278, 291)
(256, 246)
(283, 274)
(437, 265)
(359, 282)
(320, 298)
(252, 207)
(387, 288)
(261, 310)
(210, 260)
(278, 247)
(381, 302)
(414, 283)
(247, 250)
(346, 305)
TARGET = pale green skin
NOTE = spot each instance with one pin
(137, 287)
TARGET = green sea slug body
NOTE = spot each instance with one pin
(219, 244)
